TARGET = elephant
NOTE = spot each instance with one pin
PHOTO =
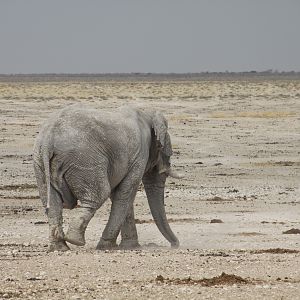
(88, 155)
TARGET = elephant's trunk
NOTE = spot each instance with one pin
(154, 184)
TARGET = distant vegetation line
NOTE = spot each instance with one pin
(148, 76)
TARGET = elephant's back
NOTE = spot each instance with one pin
(78, 122)
(90, 135)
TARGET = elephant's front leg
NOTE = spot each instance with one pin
(129, 232)
(56, 234)
(122, 200)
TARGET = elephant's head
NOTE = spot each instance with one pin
(161, 147)
(159, 169)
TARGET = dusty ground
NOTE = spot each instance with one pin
(237, 143)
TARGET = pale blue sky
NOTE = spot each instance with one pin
(89, 36)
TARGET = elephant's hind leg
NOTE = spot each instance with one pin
(41, 182)
(56, 234)
(56, 241)
(76, 232)
(89, 203)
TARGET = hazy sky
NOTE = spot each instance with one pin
(94, 36)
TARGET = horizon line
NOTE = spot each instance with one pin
(269, 71)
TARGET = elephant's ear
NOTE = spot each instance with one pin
(160, 126)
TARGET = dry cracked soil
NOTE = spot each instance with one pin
(236, 212)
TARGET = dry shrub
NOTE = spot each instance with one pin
(266, 114)
(253, 114)
(180, 117)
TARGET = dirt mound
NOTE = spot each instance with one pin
(216, 221)
(223, 279)
(292, 231)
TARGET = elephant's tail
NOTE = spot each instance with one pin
(46, 160)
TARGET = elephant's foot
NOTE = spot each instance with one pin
(78, 225)
(175, 244)
(75, 237)
(58, 246)
(129, 244)
(56, 238)
(106, 245)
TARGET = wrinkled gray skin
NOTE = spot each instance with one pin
(90, 155)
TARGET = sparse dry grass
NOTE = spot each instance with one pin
(276, 163)
(180, 117)
(254, 114)
(270, 164)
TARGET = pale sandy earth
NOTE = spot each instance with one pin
(238, 144)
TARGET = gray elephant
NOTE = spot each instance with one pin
(89, 155)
